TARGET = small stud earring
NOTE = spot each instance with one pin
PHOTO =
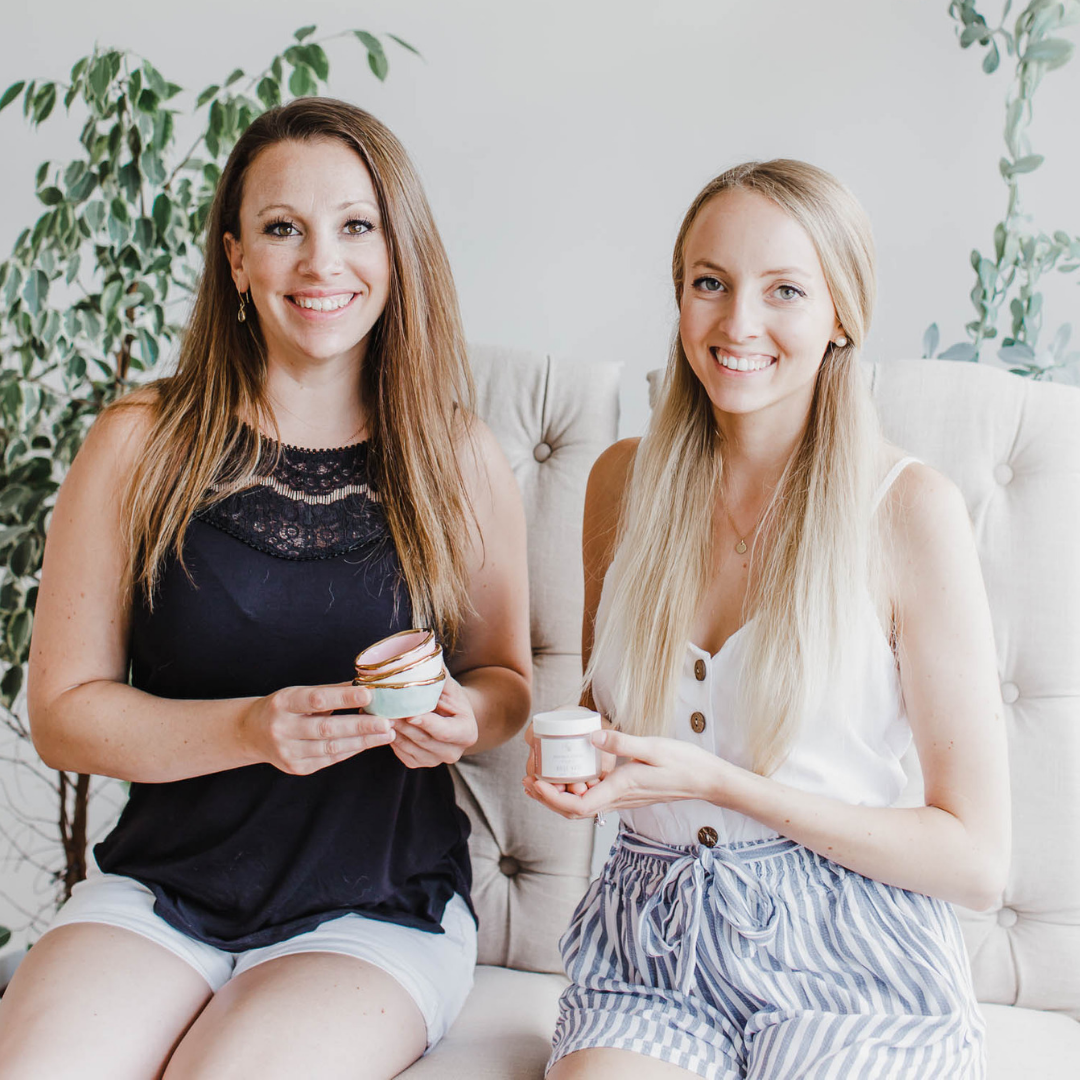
(241, 315)
(841, 341)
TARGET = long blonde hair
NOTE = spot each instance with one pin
(811, 586)
(415, 380)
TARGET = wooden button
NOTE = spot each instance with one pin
(697, 722)
(707, 836)
(699, 670)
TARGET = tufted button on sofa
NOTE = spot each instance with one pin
(1013, 447)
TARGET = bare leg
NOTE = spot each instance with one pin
(94, 1001)
(306, 1014)
(606, 1064)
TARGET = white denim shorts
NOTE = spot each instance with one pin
(435, 969)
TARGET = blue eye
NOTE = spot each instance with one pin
(789, 292)
(708, 284)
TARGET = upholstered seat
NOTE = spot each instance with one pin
(1013, 447)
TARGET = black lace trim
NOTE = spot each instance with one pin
(313, 504)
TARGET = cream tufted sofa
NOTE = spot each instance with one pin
(1014, 449)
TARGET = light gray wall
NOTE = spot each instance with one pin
(560, 142)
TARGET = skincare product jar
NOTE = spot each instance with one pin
(564, 750)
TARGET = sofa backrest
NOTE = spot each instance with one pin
(552, 418)
(1013, 448)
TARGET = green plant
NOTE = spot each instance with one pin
(92, 296)
(1021, 256)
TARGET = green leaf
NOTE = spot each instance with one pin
(11, 93)
(148, 346)
(36, 291)
(205, 96)
(237, 74)
(369, 41)
(931, 340)
(72, 271)
(269, 92)
(51, 196)
(405, 45)
(217, 118)
(10, 686)
(162, 212)
(379, 64)
(963, 351)
(991, 59)
(148, 102)
(21, 623)
(304, 31)
(302, 81)
(1026, 164)
(1048, 49)
(317, 60)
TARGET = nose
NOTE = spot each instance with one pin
(320, 255)
(740, 316)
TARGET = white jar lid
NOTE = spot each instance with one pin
(573, 720)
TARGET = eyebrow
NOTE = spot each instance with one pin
(343, 206)
(796, 270)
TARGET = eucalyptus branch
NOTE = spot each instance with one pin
(1020, 257)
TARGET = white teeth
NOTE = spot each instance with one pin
(740, 363)
(323, 303)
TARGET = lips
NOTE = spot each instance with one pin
(749, 364)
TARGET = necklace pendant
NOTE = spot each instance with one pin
(740, 547)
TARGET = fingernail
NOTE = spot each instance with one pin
(599, 738)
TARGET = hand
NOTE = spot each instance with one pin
(439, 737)
(296, 729)
(658, 770)
(532, 765)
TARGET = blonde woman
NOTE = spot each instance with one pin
(782, 602)
(287, 891)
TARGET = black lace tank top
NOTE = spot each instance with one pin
(290, 576)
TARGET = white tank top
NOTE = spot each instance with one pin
(849, 749)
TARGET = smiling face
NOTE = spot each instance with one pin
(755, 315)
(312, 251)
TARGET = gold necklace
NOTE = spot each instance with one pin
(740, 547)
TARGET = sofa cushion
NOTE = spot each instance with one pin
(503, 1033)
(552, 418)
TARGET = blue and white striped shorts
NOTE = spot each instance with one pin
(767, 961)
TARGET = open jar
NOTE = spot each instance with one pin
(564, 750)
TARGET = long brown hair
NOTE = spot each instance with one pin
(415, 380)
(823, 553)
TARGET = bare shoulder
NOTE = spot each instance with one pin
(925, 507)
(481, 457)
(611, 472)
(119, 434)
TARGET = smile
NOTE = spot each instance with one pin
(742, 363)
(322, 303)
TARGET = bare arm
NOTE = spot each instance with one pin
(957, 846)
(85, 717)
(603, 505)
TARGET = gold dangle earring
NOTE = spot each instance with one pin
(241, 315)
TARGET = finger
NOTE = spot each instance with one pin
(566, 803)
(620, 744)
(339, 749)
(344, 726)
(330, 697)
(452, 729)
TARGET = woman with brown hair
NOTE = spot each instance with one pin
(287, 891)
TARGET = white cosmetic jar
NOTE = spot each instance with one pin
(564, 750)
